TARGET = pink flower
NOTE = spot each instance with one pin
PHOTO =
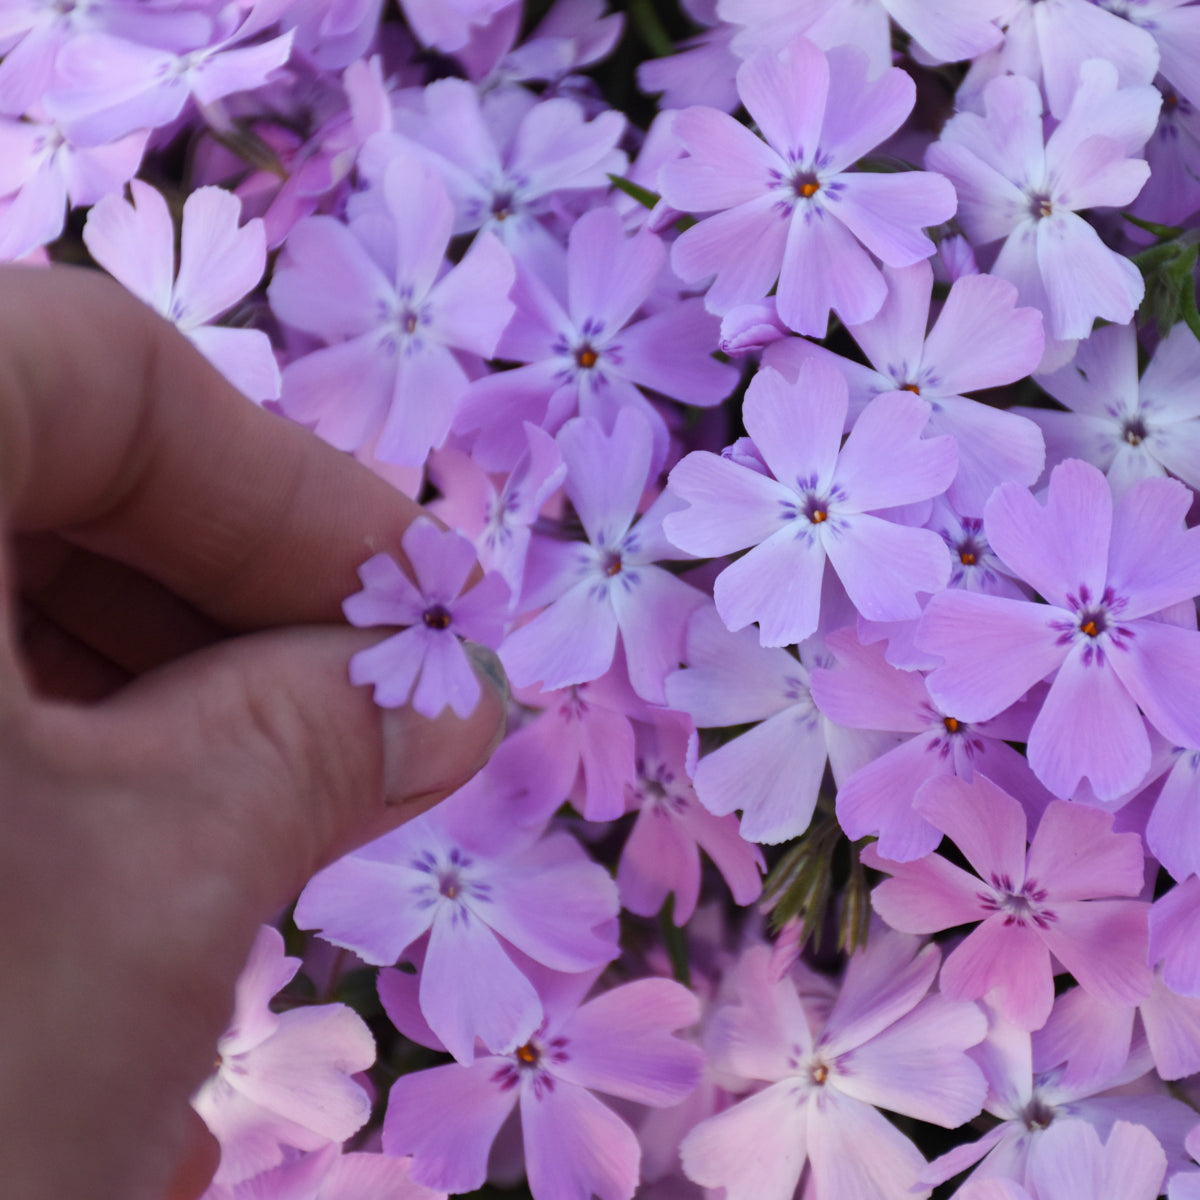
(1070, 1163)
(789, 208)
(379, 291)
(1057, 898)
(619, 1043)
(610, 584)
(662, 853)
(819, 500)
(426, 661)
(885, 1043)
(282, 1079)
(1106, 572)
(219, 262)
(486, 893)
(1017, 185)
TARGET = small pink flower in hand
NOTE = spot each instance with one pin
(426, 661)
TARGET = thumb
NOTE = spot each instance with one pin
(283, 762)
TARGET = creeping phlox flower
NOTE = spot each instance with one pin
(282, 1079)
(980, 340)
(609, 584)
(219, 262)
(579, 748)
(590, 348)
(426, 661)
(790, 208)
(329, 1175)
(944, 31)
(1070, 1163)
(620, 1043)
(1017, 184)
(509, 160)
(662, 854)
(886, 1043)
(1106, 572)
(1059, 898)
(1031, 1103)
(108, 85)
(1130, 428)
(882, 798)
(44, 170)
(821, 499)
(378, 290)
(772, 772)
(1048, 42)
(479, 888)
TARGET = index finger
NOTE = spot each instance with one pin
(118, 434)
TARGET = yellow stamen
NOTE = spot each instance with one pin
(967, 558)
(1090, 629)
(951, 724)
(587, 358)
(809, 188)
(819, 516)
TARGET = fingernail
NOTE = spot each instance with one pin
(488, 666)
(427, 759)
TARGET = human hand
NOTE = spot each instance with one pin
(180, 747)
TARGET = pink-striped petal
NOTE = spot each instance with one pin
(623, 1043)
(1076, 856)
(777, 584)
(995, 649)
(755, 1150)
(450, 1156)
(1013, 960)
(1104, 944)
(575, 1147)
(924, 896)
(884, 566)
(470, 988)
(1089, 726)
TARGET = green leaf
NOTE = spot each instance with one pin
(644, 19)
(1163, 232)
(644, 196)
(675, 940)
(801, 882)
(1169, 271)
(856, 907)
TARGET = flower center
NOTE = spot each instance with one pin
(409, 322)
(450, 885)
(1134, 431)
(528, 1055)
(1040, 206)
(911, 387)
(967, 558)
(816, 509)
(502, 205)
(1093, 622)
(806, 185)
(586, 357)
(819, 1073)
(952, 724)
(1023, 907)
(1037, 1114)
(436, 617)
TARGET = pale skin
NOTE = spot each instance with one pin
(180, 748)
